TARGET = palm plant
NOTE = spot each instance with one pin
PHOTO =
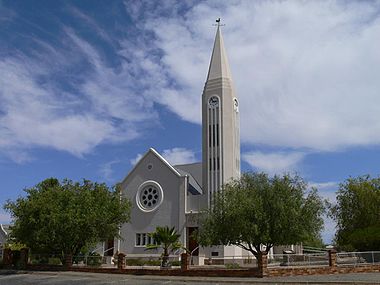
(167, 239)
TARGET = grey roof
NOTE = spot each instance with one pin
(194, 171)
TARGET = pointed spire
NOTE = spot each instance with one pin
(219, 66)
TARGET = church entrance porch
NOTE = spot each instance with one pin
(191, 243)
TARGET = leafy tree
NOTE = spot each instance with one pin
(256, 212)
(167, 239)
(357, 214)
(63, 217)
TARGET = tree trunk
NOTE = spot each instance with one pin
(165, 261)
(262, 263)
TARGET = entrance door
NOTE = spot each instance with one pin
(108, 250)
(191, 242)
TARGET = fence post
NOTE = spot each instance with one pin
(185, 261)
(24, 256)
(68, 261)
(7, 257)
(121, 261)
(263, 264)
(332, 258)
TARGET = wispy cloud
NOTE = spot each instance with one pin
(326, 189)
(305, 72)
(179, 155)
(174, 156)
(134, 161)
(274, 162)
(106, 170)
(91, 23)
(100, 106)
(31, 116)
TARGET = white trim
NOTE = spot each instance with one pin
(152, 150)
(165, 161)
(2, 228)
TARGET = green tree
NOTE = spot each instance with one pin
(167, 239)
(357, 214)
(256, 212)
(63, 217)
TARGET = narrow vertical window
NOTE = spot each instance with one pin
(217, 134)
(138, 239)
(213, 135)
(209, 135)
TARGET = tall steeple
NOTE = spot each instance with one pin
(220, 123)
(219, 66)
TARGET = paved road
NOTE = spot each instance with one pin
(76, 278)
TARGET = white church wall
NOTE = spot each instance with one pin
(169, 213)
(196, 203)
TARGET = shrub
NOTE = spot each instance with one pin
(94, 259)
(134, 262)
(176, 263)
(54, 261)
(152, 262)
(232, 266)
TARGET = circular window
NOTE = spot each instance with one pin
(149, 196)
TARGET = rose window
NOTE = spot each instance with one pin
(149, 196)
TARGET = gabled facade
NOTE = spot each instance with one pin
(161, 195)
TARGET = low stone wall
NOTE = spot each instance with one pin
(322, 270)
(252, 272)
(178, 272)
(262, 270)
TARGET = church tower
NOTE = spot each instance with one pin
(220, 123)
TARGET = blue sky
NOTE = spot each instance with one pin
(86, 87)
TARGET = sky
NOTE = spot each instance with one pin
(87, 87)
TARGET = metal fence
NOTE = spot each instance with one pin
(298, 260)
(45, 259)
(153, 261)
(274, 260)
(94, 261)
(229, 262)
(150, 261)
(78, 261)
(357, 258)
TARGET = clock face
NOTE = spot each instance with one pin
(213, 102)
(236, 105)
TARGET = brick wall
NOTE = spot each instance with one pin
(260, 271)
(322, 270)
(253, 272)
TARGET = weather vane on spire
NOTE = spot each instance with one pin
(218, 23)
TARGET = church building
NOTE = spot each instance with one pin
(172, 195)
